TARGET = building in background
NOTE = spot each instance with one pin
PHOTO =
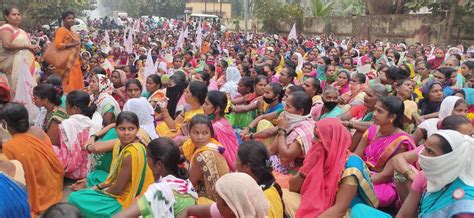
(221, 8)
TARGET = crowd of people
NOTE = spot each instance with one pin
(160, 120)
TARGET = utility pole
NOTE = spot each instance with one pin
(246, 15)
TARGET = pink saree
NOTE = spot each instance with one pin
(225, 134)
(376, 155)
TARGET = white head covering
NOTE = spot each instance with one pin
(242, 194)
(300, 61)
(144, 111)
(232, 76)
(447, 106)
(443, 170)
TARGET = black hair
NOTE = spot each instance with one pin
(127, 116)
(453, 122)
(247, 82)
(295, 88)
(446, 71)
(469, 64)
(201, 119)
(360, 76)
(66, 14)
(317, 85)
(81, 100)
(396, 73)
(255, 155)
(156, 79)
(50, 92)
(211, 67)
(277, 89)
(260, 78)
(8, 10)
(394, 106)
(134, 81)
(165, 150)
(425, 63)
(218, 99)
(326, 60)
(301, 100)
(99, 70)
(62, 209)
(205, 76)
(224, 64)
(443, 143)
(16, 116)
(54, 80)
(350, 59)
(198, 90)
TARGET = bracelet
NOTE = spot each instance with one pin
(251, 136)
(98, 186)
(282, 130)
(408, 173)
(95, 137)
(351, 125)
(87, 148)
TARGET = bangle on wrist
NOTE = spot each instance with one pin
(251, 136)
(351, 125)
(98, 187)
(281, 130)
(95, 137)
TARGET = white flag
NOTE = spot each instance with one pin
(292, 34)
(107, 38)
(150, 68)
(129, 42)
(24, 89)
(181, 37)
(199, 36)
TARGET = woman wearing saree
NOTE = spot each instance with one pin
(451, 105)
(445, 186)
(384, 140)
(355, 95)
(15, 44)
(204, 153)
(32, 148)
(129, 174)
(107, 106)
(65, 39)
(343, 81)
(194, 96)
(119, 79)
(13, 198)
(294, 136)
(214, 106)
(346, 180)
(171, 179)
(75, 131)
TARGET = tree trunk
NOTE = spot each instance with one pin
(451, 15)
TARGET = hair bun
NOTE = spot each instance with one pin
(181, 159)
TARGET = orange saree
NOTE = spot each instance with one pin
(71, 73)
(43, 171)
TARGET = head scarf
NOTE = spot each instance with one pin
(426, 106)
(326, 159)
(242, 194)
(104, 96)
(123, 76)
(436, 62)
(174, 94)
(443, 170)
(447, 106)
(232, 76)
(345, 88)
(144, 111)
(300, 61)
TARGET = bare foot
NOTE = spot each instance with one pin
(78, 185)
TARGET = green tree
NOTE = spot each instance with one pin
(456, 10)
(163, 8)
(37, 12)
(321, 8)
(349, 7)
(272, 13)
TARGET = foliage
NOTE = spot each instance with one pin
(463, 7)
(37, 12)
(162, 8)
(349, 7)
(321, 8)
(271, 13)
